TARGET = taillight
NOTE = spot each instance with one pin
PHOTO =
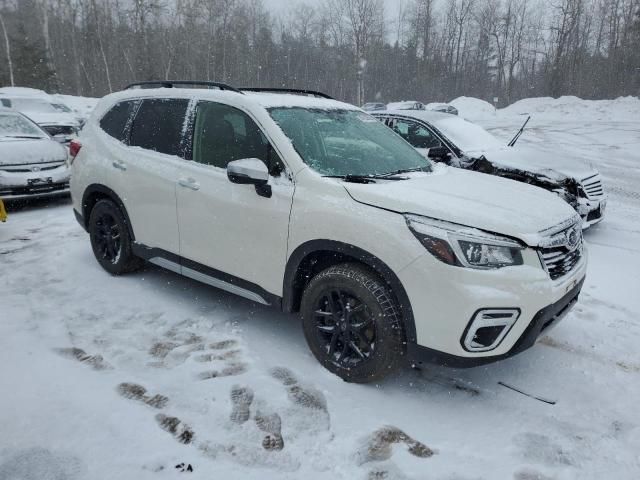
(74, 148)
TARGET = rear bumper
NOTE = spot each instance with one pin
(545, 319)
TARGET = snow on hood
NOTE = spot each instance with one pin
(19, 151)
(536, 161)
(61, 118)
(469, 198)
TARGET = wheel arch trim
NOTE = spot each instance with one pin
(97, 188)
(292, 291)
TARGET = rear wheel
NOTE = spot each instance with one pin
(110, 239)
(352, 323)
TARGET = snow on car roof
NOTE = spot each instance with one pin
(265, 99)
(271, 100)
(426, 115)
(405, 104)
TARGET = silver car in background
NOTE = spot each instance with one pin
(56, 118)
(31, 162)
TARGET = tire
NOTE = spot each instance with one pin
(110, 239)
(366, 344)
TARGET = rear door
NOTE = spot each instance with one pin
(149, 168)
(231, 236)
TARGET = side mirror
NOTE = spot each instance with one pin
(250, 171)
(438, 154)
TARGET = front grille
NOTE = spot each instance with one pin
(592, 186)
(54, 130)
(29, 168)
(560, 260)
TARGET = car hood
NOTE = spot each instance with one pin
(53, 118)
(535, 161)
(469, 198)
(21, 151)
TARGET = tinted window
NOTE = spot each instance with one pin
(116, 120)
(159, 124)
(6, 102)
(415, 134)
(223, 134)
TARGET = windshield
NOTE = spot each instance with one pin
(346, 142)
(33, 105)
(467, 136)
(12, 125)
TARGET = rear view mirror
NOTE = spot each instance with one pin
(438, 153)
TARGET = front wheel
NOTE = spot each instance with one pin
(352, 323)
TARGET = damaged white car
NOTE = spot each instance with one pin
(460, 143)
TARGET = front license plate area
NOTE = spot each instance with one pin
(33, 182)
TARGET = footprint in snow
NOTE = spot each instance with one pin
(378, 446)
(266, 421)
(94, 361)
(228, 371)
(173, 425)
(303, 396)
(133, 391)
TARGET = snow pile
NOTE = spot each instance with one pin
(568, 108)
(472, 108)
(622, 108)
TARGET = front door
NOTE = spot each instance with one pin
(230, 236)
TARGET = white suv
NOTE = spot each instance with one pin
(308, 204)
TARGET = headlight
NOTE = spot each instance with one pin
(464, 246)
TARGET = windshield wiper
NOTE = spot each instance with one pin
(400, 172)
(364, 178)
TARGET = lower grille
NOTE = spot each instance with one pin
(560, 260)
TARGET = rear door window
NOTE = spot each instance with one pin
(159, 125)
(117, 121)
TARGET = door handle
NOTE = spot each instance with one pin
(189, 183)
(119, 166)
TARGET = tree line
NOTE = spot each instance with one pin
(427, 50)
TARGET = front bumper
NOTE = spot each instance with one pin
(444, 299)
(591, 211)
(15, 185)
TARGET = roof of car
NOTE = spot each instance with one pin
(264, 99)
(425, 115)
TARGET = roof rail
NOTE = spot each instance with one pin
(180, 83)
(295, 91)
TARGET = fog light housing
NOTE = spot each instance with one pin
(488, 327)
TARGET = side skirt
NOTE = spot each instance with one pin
(204, 274)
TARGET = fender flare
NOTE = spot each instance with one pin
(105, 192)
(291, 291)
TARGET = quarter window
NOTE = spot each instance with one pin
(223, 134)
(159, 125)
(117, 120)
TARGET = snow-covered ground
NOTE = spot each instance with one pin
(227, 375)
